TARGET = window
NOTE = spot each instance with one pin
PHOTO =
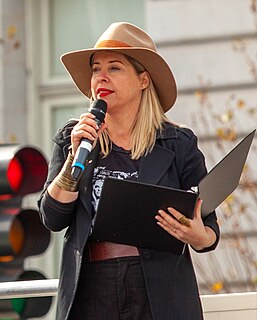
(78, 24)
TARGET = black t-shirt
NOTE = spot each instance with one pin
(117, 164)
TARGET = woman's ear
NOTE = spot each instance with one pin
(145, 79)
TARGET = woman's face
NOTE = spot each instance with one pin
(115, 80)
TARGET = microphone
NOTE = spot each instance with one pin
(98, 108)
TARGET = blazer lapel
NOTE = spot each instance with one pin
(154, 166)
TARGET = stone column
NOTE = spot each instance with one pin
(13, 113)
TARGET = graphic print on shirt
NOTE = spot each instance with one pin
(100, 173)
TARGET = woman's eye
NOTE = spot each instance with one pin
(95, 69)
(114, 68)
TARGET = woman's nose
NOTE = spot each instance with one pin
(102, 76)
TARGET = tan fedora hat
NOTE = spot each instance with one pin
(128, 39)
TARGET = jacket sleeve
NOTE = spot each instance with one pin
(56, 215)
(193, 170)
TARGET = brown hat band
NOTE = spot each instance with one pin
(127, 39)
(111, 44)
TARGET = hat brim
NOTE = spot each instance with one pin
(77, 64)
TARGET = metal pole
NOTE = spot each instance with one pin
(27, 289)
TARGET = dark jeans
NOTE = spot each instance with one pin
(111, 290)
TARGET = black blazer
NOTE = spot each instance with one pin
(175, 161)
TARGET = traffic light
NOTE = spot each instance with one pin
(23, 170)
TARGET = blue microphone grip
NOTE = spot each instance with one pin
(80, 158)
(98, 109)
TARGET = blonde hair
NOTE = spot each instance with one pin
(149, 120)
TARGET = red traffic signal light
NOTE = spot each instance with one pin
(23, 170)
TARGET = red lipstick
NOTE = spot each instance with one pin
(103, 92)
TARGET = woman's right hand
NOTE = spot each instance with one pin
(85, 128)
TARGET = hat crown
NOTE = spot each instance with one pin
(127, 39)
(123, 34)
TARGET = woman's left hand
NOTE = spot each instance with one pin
(194, 233)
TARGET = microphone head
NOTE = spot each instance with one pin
(98, 109)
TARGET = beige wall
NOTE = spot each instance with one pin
(217, 90)
(13, 116)
(235, 306)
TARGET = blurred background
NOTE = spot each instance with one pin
(211, 46)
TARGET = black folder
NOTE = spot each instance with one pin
(126, 209)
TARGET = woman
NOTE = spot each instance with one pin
(103, 280)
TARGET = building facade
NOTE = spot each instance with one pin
(211, 47)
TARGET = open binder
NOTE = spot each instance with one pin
(126, 209)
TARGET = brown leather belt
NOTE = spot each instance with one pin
(102, 250)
